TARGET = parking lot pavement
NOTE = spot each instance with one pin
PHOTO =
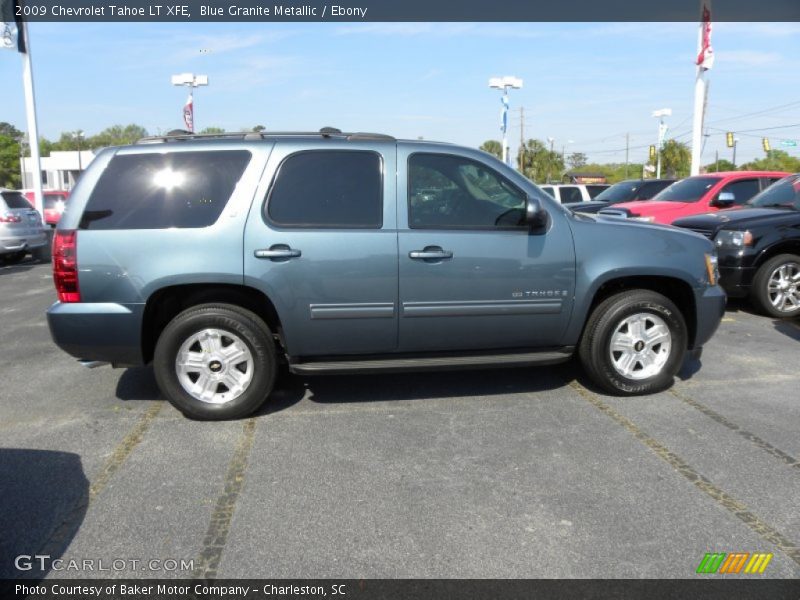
(502, 473)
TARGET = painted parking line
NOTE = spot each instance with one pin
(725, 500)
(749, 436)
(69, 525)
(216, 537)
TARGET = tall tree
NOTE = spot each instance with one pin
(540, 164)
(493, 147)
(720, 165)
(676, 159)
(9, 160)
(775, 160)
(117, 135)
(577, 160)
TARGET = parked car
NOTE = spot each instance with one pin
(574, 192)
(55, 201)
(213, 256)
(624, 191)
(697, 195)
(759, 247)
(21, 229)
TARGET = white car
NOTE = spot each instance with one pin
(21, 229)
(574, 192)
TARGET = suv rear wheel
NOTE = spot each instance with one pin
(776, 286)
(634, 343)
(215, 361)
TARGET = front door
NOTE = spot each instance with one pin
(322, 245)
(472, 274)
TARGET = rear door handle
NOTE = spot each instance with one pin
(430, 253)
(277, 251)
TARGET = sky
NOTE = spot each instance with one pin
(585, 84)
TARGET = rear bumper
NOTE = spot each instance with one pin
(710, 304)
(104, 332)
(22, 243)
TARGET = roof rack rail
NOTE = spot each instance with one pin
(179, 135)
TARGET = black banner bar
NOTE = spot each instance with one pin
(404, 10)
(733, 588)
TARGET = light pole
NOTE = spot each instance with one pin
(191, 81)
(78, 135)
(662, 132)
(504, 83)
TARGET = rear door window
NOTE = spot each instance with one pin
(15, 200)
(648, 190)
(159, 191)
(328, 188)
(570, 194)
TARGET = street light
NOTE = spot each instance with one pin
(504, 83)
(191, 81)
(662, 131)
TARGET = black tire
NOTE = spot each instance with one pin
(759, 292)
(595, 347)
(41, 254)
(12, 259)
(248, 327)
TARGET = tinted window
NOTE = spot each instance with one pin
(454, 192)
(648, 190)
(690, 189)
(595, 190)
(157, 191)
(742, 190)
(328, 188)
(784, 193)
(619, 192)
(548, 190)
(570, 194)
(16, 200)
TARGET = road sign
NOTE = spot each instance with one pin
(791, 143)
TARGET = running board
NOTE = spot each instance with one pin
(371, 365)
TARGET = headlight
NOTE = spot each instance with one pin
(644, 219)
(733, 239)
(712, 268)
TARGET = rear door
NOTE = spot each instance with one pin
(472, 277)
(321, 242)
(742, 189)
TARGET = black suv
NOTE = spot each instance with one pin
(759, 247)
(624, 191)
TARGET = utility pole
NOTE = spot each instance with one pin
(735, 141)
(627, 150)
(521, 160)
(716, 161)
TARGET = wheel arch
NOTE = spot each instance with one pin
(166, 303)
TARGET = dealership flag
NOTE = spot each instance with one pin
(705, 59)
(188, 114)
(13, 35)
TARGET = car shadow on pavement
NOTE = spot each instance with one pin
(20, 267)
(45, 495)
(788, 328)
(342, 389)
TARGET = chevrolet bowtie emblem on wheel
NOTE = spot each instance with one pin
(734, 563)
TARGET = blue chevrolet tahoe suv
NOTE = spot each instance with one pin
(220, 258)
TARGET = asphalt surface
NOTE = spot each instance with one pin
(501, 473)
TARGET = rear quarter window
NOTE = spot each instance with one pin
(159, 191)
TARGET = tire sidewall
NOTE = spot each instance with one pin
(189, 323)
(601, 354)
(761, 286)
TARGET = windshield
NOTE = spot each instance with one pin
(619, 192)
(785, 193)
(690, 189)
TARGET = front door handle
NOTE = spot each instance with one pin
(277, 251)
(430, 253)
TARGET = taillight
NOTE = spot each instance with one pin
(65, 265)
(9, 218)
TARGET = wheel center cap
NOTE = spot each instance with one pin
(638, 346)
(215, 366)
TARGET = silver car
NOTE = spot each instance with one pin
(21, 229)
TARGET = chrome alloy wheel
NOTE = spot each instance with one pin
(783, 287)
(640, 346)
(214, 366)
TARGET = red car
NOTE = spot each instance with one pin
(54, 203)
(697, 195)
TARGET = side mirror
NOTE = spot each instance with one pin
(535, 214)
(724, 200)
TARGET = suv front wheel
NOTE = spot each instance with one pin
(634, 343)
(215, 361)
(776, 286)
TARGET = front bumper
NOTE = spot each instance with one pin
(710, 307)
(98, 331)
(736, 280)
